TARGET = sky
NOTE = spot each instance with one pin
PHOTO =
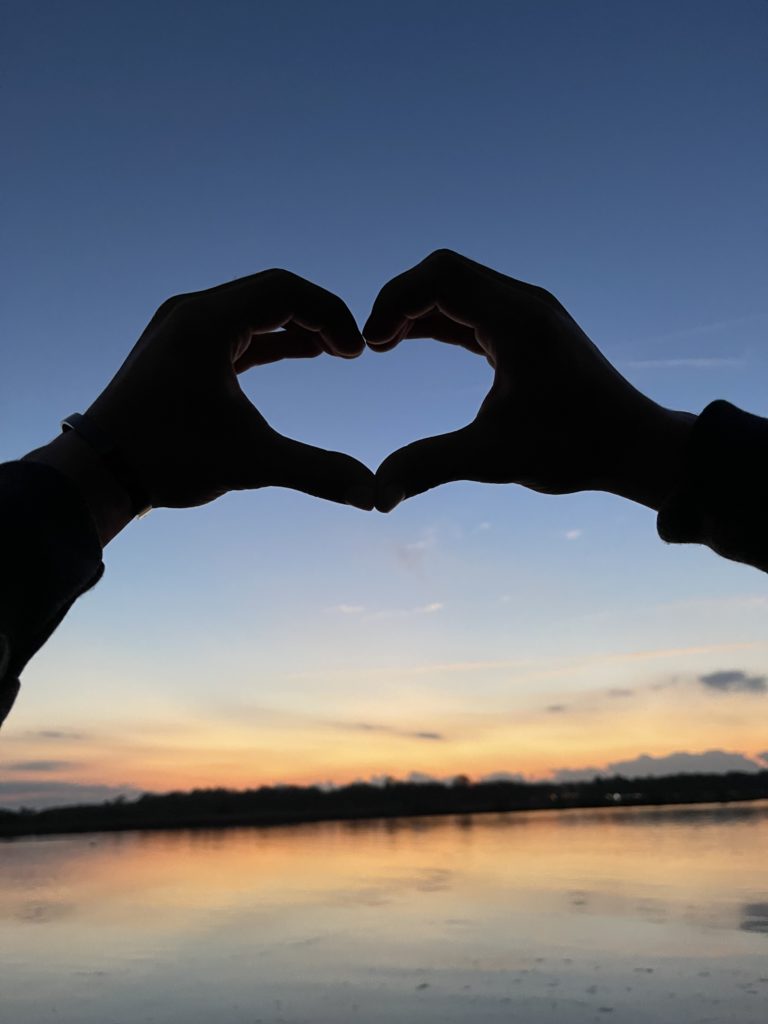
(613, 153)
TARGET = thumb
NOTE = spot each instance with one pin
(428, 463)
(330, 475)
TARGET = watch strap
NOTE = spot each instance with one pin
(113, 459)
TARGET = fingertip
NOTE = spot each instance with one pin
(374, 333)
(378, 338)
(382, 346)
(347, 342)
(388, 497)
(356, 342)
(332, 348)
(354, 353)
(374, 341)
(362, 496)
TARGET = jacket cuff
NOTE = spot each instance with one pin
(722, 497)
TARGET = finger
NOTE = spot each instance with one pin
(422, 465)
(270, 300)
(444, 283)
(330, 475)
(292, 343)
(439, 327)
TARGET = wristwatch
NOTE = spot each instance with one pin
(113, 459)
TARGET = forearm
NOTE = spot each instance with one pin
(50, 553)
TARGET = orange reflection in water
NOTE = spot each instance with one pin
(552, 914)
(528, 859)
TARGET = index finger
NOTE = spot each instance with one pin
(273, 298)
(444, 283)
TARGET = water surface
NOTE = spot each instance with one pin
(632, 915)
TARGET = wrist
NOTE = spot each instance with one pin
(652, 463)
(108, 502)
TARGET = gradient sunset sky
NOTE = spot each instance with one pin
(613, 152)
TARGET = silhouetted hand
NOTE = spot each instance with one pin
(178, 414)
(558, 417)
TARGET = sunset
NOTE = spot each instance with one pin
(531, 717)
(249, 640)
(589, 179)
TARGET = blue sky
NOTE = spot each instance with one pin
(614, 153)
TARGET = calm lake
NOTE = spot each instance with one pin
(644, 915)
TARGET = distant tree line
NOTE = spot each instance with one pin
(278, 805)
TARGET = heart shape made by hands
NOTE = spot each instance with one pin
(557, 418)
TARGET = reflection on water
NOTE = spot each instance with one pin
(755, 917)
(636, 915)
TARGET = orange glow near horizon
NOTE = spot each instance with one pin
(557, 713)
(581, 731)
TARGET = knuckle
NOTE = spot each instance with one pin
(542, 294)
(546, 301)
(171, 305)
(443, 266)
(279, 276)
(446, 270)
(442, 258)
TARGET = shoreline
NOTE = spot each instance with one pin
(21, 829)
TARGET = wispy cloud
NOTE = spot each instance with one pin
(734, 681)
(525, 670)
(739, 602)
(397, 613)
(55, 734)
(665, 684)
(671, 652)
(38, 766)
(726, 681)
(386, 613)
(573, 534)
(391, 730)
(705, 330)
(412, 554)
(556, 709)
(700, 360)
(687, 363)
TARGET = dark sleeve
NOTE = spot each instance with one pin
(722, 497)
(49, 555)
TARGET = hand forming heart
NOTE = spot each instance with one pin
(558, 417)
